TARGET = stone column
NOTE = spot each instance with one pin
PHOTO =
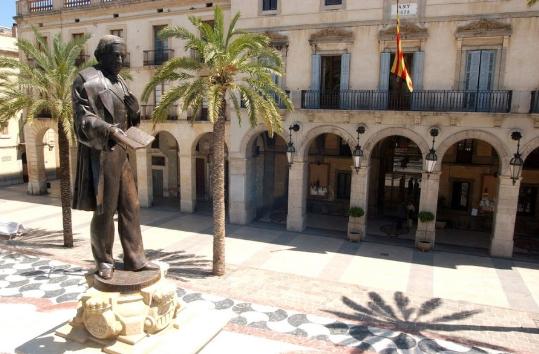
(242, 193)
(37, 179)
(297, 196)
(187, 183)
(144, 178)
(428, 201)
(504, 218)
(359, 191)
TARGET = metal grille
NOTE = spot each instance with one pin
(40, 5)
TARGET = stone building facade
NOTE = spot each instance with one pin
(476, 80)
(11, 153)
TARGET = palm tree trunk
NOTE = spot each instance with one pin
(218, 193)
(65, 185)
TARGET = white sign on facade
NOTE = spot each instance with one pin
(409, 9)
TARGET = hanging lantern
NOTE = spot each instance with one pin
(431, 157)
(357, 154)
(290, 149)
(516, 163)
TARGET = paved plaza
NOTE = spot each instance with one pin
(293, 292)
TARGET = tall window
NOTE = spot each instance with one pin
(344, 181)
(4, 130)
(461, 195)
(160, 46)
(479, 71)
(464, 151)
(269, 5)
(77, 36)
(117, 32)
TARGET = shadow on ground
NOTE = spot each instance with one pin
(39, 238)
(183, 266)
(419, 321)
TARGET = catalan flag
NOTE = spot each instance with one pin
(399, 67)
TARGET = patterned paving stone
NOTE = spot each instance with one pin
(40, 278)
(297, 320)
(277, 316)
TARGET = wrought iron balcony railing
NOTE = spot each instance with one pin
(157, 57)
(76, 3)
(428, 100)
(146, 112)
(534, 106)
(38, 5)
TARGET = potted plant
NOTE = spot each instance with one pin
(425, 217)
(355, 223)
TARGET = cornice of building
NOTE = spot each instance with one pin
(125, 6)
(420, 21)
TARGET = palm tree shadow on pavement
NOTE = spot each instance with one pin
(183, 266)
(418, 321)
(39, 238)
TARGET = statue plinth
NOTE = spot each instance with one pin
(123, 312)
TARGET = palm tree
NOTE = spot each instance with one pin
(43, 83)
(226, 66)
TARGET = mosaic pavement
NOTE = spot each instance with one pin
(33, 277)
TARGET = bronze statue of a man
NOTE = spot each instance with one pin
(104, 183)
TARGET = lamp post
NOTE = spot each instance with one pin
(290, 149)
(357, 154)
(516, 163)
(431, 157)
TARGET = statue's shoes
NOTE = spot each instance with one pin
(148, 266)
(105, 273)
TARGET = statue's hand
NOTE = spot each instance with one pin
(131, 103)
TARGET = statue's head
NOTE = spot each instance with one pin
(110, 53)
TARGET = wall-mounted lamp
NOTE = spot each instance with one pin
(431, 157)
(290, 149)
(357, 154)
(516, 162)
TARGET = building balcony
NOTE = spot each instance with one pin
(35, 6)
(157, 57)
(428, 100)
(534, 106)
(25, 7)
(146, 112)
(77, 3)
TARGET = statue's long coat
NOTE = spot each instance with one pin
(93, 112)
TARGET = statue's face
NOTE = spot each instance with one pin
(113, 59)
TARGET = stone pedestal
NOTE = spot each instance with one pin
(123, 313)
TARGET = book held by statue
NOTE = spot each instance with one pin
(134, 138)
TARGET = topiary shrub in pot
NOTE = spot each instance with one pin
(425, 217)
(355, 223)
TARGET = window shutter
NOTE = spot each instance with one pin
(384, 71)
(417, 70)
(473, 60)
(315, 72)
(345, 72)
(486, 73)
